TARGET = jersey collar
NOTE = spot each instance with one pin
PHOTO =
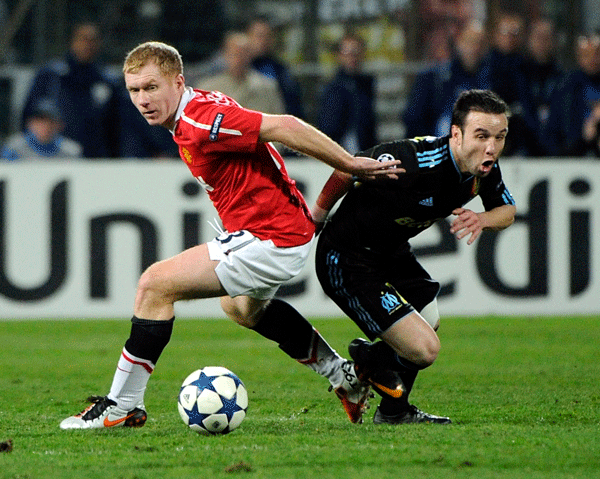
(188, 95)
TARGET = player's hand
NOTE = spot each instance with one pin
(370, 169)
(466, 223)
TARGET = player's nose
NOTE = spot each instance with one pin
(143, 98)
(492, 147)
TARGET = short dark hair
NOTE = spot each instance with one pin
(484, 101)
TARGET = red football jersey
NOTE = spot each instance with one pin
(245, 179)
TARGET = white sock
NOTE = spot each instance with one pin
(325, 360)
(130, 380)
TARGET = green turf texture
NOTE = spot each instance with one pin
(522, 392)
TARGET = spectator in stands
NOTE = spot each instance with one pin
(85, 95)
(347, 106)
(430, 103)
(240, 81)
(506, 59)
(543, 74)
(572, 127)
(264, 60)
(42, 137)
(508, 42)
(440, 23)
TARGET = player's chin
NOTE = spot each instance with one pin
(152, 118)
(152, 121)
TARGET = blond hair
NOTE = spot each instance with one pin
(165, 56)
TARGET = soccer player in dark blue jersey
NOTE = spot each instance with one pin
(364, 260)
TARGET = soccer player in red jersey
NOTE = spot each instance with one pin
(266, 238)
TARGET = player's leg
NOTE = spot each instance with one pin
(366, 289)
(251, 275)
(413, 340)
(421, 291)
(282, 323)
(393, 352)
(249, 304)
(187, 275)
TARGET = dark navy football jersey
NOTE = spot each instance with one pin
(383, 215)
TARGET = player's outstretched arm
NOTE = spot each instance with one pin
(468, 222)
(300, 136)
(335, 187)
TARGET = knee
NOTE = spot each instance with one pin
(242, 312)
(149, 279)
(233, 312)
(428, 353)
(151, 285)
(425, 351)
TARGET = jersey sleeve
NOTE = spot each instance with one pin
(401, 150)
(234, 129)
(493, 191)
(222, 125)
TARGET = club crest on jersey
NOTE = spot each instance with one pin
(391, 300)
(186, 154)
(216, 126)
(475, 187)
(385, 157)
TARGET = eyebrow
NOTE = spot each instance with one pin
(145, 84)
(484, 130)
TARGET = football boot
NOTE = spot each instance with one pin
(411, 415)
(385, 381)
(353, 393)
(104, 412)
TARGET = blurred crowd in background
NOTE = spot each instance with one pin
(362, 72)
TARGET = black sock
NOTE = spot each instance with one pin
(381, 355)
(281, 323)
(149, 337)
(393, 407)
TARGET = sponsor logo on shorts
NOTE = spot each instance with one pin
(216, 126)
(391, 300)
(390, 303)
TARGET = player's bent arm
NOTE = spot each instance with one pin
(498, 218)
(300, 136)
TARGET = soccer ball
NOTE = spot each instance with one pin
(213, 400)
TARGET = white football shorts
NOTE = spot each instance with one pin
(249, 266)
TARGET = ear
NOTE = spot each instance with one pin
(456, 133)
(180, 81)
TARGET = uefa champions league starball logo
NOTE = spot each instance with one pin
(385, 157)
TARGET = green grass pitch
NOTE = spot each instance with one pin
(522, 392)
